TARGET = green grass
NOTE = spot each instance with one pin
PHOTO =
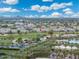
(32, 35)
(7, 40)
(40, 46)
(28, 35)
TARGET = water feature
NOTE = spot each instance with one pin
(69, 41)
(74, 41)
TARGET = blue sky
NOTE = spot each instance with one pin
(39, 8)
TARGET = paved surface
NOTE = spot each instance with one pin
(42, 58)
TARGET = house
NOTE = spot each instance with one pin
(4, 30)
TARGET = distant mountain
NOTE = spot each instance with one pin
(17, 18)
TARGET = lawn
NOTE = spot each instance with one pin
(7, 39)
(23, 35)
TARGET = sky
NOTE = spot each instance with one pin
(39, 8)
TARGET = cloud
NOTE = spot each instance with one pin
(68, 11)
(7, 16)
(54, 6)
(11, 2)
(39, 8)
(31, 16)
(25, 9)
(43, 16)
(47, 0)
(75, 15)
(35, 7)
(8, 10)
(44, 8)
(56, 14)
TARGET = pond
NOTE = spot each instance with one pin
(74, 41)
(71, 41)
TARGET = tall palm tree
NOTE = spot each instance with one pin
(71, 49)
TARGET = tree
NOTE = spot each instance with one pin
(10, 32)
(19, 40)
(37, 39)
(71, 49)
(50, 33)
(18, 31)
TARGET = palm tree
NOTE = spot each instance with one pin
(71, 49)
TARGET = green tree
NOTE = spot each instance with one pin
(19, 40)
(50, 33)
(18, 31)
